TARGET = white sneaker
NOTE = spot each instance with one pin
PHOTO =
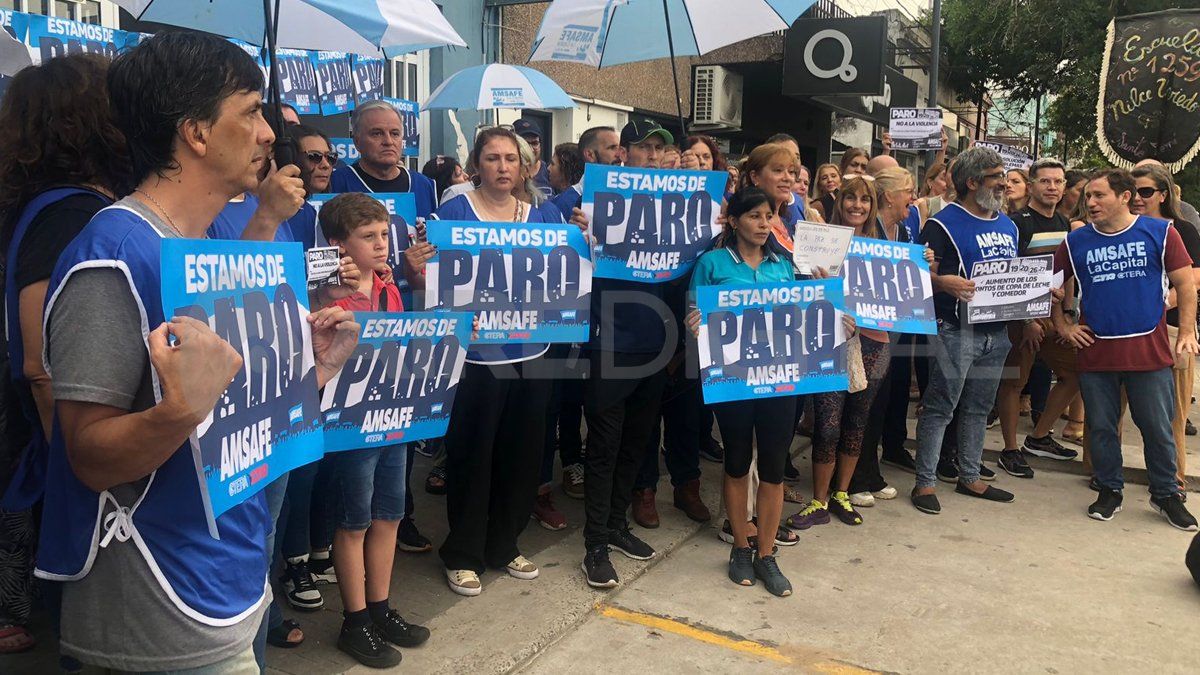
(888, 492)
(464, 582)
(862, 499)
(522, 568)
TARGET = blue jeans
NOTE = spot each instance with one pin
(964, 373)
(371, 485)
(1151, 398)
(275, 493)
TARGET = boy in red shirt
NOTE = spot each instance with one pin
(370, 482)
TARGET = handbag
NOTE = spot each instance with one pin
(854, 365)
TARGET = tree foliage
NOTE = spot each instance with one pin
(1030, 48)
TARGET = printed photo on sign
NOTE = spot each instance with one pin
(820, 245)
(323, 265)
(335, 82)
(1014, 158)
(268, 422)
(916, 128)
(1011, 290)
(403, 208)
(298, 81)
(888, 286)
(526, 282)
(651, 225)
(398, 386)
(771, 340)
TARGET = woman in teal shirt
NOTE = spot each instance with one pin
(743, 257)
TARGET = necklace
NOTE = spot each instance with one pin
(517, 211)
(170, 221)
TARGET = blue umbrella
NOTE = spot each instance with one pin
(497, 86)
(393, 27)
(611, 32)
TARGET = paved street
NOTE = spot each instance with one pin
(1031, 587)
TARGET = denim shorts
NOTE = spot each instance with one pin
(371, 485)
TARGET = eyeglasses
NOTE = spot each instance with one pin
(1147, 192)
(315, 157)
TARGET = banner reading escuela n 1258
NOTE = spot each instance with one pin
(779, 339)
(253, 295)
(888, 286)
(526, 282)
(651, 225)
(398, 386)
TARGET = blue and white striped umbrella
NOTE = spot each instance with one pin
(611, 32)
(497, 86)
(393, 27)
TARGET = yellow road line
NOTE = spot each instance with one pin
(819, 664)
(699, 634)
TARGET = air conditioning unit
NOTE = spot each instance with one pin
(716, 98)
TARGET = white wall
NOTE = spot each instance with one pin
(567, 125)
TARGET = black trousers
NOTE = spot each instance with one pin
(765, 420)
(493, 452)
(621, 415)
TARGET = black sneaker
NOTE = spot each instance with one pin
(1094, 485)
(1189, 429)
(741, 566)
(598, 570)
(1013, 463)
(926, 503)
(367, 645)
(947, 471)
(1175, 512)
(985, 473)
(1049, 448)
(1106, 505)
(628, 543)
(902, 460)
(300, 587)
(410, 540)
(767, 569)
(401, 633)
(322, 569)
(711, 450)
(993, 418)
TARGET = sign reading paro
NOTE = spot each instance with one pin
(651, 224)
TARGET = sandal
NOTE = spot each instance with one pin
(15, 639)
(435, 483)
(1073, 437)
(278, 636)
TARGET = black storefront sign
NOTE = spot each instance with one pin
(835, 57)
(898, 91)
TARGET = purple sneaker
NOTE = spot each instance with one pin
(815, 513)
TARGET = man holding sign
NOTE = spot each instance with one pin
(1123, 263)
(131, 388)
(969, 358)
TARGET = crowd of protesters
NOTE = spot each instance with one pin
(100, 162)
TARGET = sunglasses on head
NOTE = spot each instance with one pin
(1147, 192)
(315, 157)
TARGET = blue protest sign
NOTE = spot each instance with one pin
(346, 150)
(255, 53)
(13, 23)
(403, 208)
(888, 287)
(410, 118)
(335, 84)
(48, 37)
(368, 77)
(651, 224)
(777, 339)
(526, 282)
(398, 386)
(268, 422)
(298, 81)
